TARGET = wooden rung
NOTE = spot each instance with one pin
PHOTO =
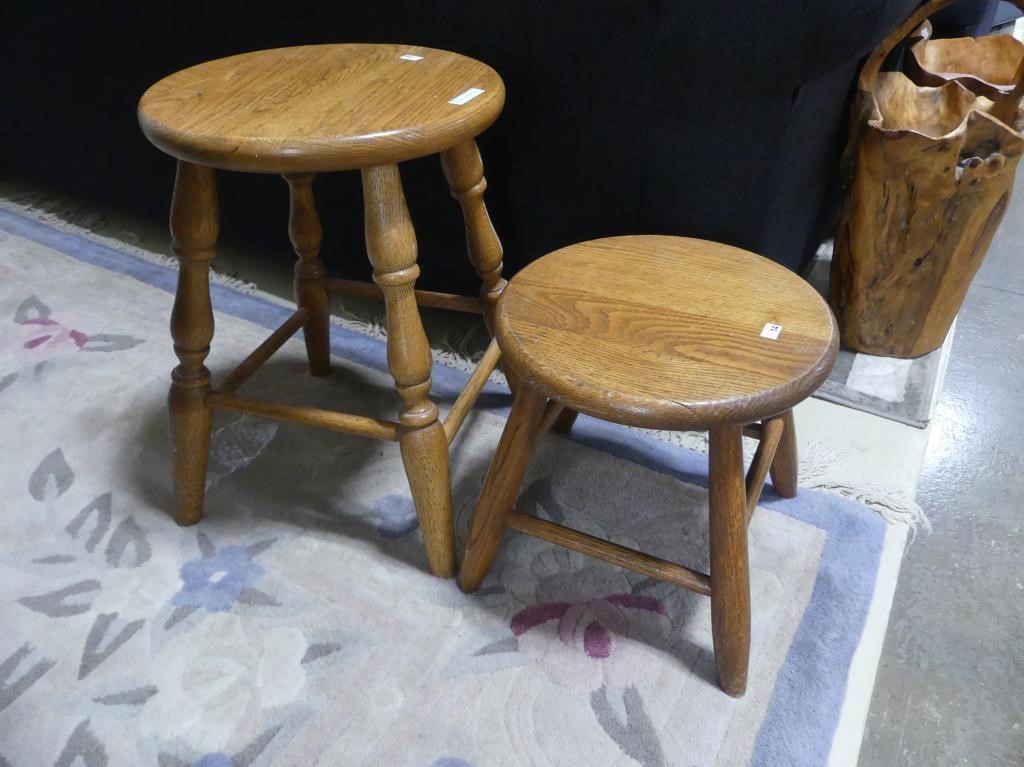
(263, 352)
(450, 301)
(464, 402)
(551, 413)
(752, 430)
(631, 559)
(311, 416)
(770, 434)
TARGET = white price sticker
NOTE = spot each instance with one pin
(466, 96)
(771, 330)
(410, 57)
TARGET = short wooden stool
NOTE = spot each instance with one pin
(661, 333)
(299, 112)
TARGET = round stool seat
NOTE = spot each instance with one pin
(321, 108)
(666, 332)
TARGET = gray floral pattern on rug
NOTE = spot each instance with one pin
(106, 569)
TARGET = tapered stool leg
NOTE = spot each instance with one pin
(784, 466)
(310, 277)
(501, 487)
(391, 246)
(730, 579)
(194, 229)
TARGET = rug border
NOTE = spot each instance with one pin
(266, 312)
(849, 735)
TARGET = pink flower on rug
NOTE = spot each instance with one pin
(594, 642)
(53, 332)
(599, 615)
(42, 330)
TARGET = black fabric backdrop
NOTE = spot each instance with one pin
(722, 120)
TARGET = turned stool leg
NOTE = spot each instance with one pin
(305, 233)
(464, 172)
(391, 246)
(730, 580)
(194, 229)
(501, 487)
(784, 466)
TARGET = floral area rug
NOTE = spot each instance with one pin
(297, 625)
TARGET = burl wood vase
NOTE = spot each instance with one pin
(928, 174)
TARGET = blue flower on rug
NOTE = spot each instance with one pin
(214, 760)
(394, 516)
(216, 583)
(450, 761)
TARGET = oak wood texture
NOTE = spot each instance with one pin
(665, 332)
(358, 425)
(631, 559)
(194, 228)
(730, 576)
(299, 112)
(464, 402)
(762, 461)
(319, 108)
(450, 301)
(391, 247)
(928, 174)
(247, 367)
(464, 171)
(553, 412)
(611, 329)
(785, 464)
(501, 486)
(564, 422)
(305, 233)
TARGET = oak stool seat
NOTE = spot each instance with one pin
(663, 333)
(320, 108)
(299, 112)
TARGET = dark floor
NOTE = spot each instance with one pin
(950, 686)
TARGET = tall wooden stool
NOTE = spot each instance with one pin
(299, 112)
(661, 333)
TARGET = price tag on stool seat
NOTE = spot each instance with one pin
(466, 96)
(771, 330)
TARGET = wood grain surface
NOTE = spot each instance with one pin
(730, 569)
(501, 487)
(665, 332)
(305, 233)
(195, 225)
(320, 108)
(391, 247)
